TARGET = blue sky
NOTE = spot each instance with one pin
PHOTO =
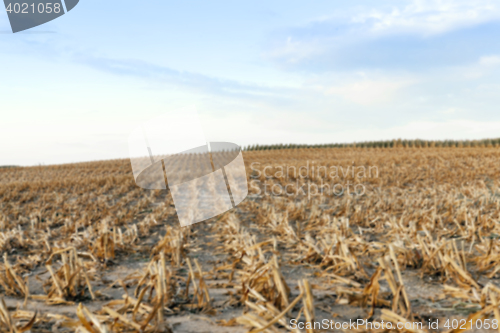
(326, 71)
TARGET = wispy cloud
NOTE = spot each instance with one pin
(491, 60)
(183, 79)
(429, 17)
(369, 92)
(419, 35)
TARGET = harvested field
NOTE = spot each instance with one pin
(402, 235)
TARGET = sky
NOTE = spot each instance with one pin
(260, 72)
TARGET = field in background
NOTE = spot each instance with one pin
(399, 143)
(393, 234)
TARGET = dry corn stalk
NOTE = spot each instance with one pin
(263, 315)
(400, 302)
(104, 246)
(156, 285)
(308, 303)
(133, 315)
(172, 245)
(332, 251)
(71, 281)
(267, 280)
(396, 319)
(12, 283)
(266, 315)
(201, 296)
(89, 322)
(9, 325)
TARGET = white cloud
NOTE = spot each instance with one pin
(450, 110)
(296, 50)
(489, 60)
(369, 92)
(483, 67)
(427, 130)
(453, 129)
(430, 17)
(330, 40)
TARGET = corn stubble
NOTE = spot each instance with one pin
(421, 243)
